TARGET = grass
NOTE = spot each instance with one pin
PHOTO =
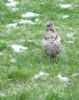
(17, 79)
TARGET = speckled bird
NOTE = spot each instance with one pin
(51, 40)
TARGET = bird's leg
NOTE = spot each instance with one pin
(49, 58)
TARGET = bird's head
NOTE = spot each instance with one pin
(50, 25)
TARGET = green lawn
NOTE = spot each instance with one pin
(18, 70)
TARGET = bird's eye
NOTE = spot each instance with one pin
(48, 25)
